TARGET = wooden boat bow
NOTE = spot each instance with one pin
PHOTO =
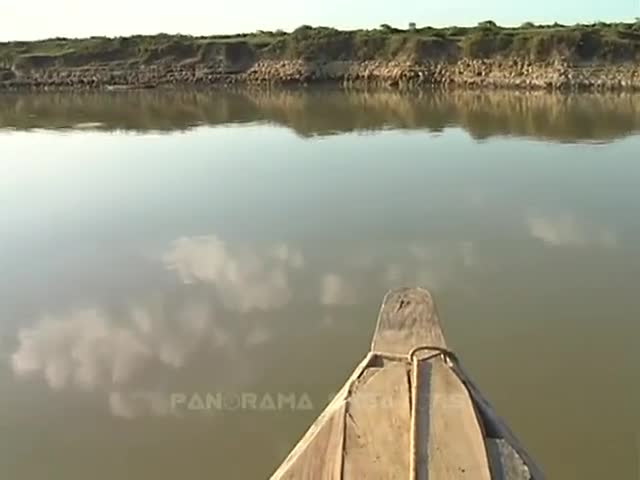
(408, 411)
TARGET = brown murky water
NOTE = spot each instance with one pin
(188, 276)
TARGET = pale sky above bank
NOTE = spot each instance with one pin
(34, 19)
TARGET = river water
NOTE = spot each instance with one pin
(188, 276)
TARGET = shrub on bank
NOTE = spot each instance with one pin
(598, 41)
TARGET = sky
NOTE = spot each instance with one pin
(37, 19)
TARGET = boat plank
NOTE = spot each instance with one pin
(456, 443)
(306, 461)
(378, 422)
(322, 457)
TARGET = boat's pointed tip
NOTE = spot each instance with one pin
(408, 291)
(408, 319)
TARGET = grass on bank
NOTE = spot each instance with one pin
(585, 42)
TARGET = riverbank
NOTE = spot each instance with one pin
(559, 58)
(513, 74)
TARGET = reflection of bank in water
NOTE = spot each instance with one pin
(540, 115)
(440, 425)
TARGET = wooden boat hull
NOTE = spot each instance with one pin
(409, 411)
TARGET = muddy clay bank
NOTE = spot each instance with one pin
(528, 75)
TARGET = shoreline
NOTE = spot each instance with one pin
(515, 74)
(583, 57)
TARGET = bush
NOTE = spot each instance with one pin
(319, 43)
(367, 45)
(395, 45)
(385, 27)
(549, 44)
(302, 29)
(612, 42)
(483, 44)
(440, 34)
(456, 31)
(488, 25)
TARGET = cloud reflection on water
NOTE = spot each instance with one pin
(336, 290)
(90, 350)
(84, 349)
(245, 280)
(95, 350)
(228, 290)
(565, 230)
